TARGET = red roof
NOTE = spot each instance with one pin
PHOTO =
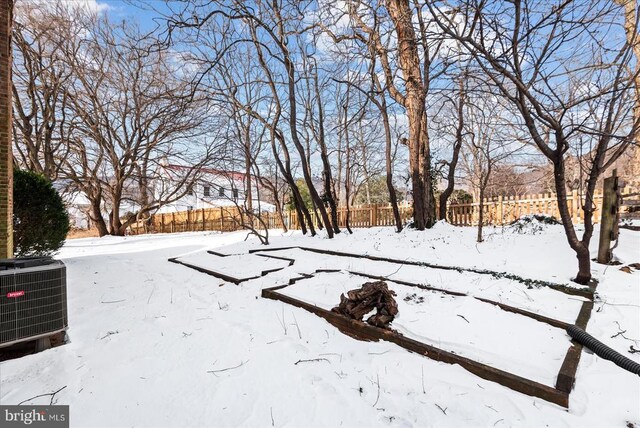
(227, 174)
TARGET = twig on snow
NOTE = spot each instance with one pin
(378, 395)
(377, 353)
(151, 294)
(297, 326)
(109, 333)
(282, 321)
(332, 353)
(228, 368)
(443, 410)
(422, 370)
(52, 394)
(462, 316)
(113, 301)
(619, 333)
(312, 360)
(622, 332)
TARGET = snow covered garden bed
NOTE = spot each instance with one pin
(156, 344)
(463, 325)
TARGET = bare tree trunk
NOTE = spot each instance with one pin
(414, 102)
(96, 217)
(298, 202)
(480, 214)
(582, 251)
(388, 165)
(326, 165)
(247, 169)
(451, 173)
(293, 120)
(347, 172)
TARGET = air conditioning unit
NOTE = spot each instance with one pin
(33, 299)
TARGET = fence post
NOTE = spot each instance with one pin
(162, 224)
(500, 211)
(221, 220)
(609, 221)
(374, 215)
(204, 223)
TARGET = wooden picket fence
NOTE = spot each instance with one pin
(498, 211)
(222, 219)
(504, 210)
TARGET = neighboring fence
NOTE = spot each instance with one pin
(497, 212)
(506, 210)
(223, 219)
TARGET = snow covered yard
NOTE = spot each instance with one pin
(158, 344)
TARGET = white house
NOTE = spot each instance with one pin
(213, 188)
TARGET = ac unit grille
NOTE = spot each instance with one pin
(33, 302)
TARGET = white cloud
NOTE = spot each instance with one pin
(90, 6)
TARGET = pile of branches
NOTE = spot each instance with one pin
(371, 296)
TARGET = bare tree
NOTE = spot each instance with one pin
(40, 73)
(417, 59)
(555, 94)
(488, 141)
(135, 112)
(454, 126)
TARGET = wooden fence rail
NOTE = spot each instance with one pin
(499, 211)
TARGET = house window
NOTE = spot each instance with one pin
(207, 191)
(221, 192)
(235, 193)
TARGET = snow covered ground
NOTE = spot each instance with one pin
(156, 344)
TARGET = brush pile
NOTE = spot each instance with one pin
(372, 296)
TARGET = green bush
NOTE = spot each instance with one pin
(40, 220)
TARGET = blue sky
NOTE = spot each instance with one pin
(141, 12)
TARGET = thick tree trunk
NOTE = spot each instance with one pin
(96, 217)
(414, 103)
(422, 181)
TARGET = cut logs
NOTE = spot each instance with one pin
(371, 296)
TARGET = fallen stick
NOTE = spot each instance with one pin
(52, 394)
(312, 360)
(228, 368)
